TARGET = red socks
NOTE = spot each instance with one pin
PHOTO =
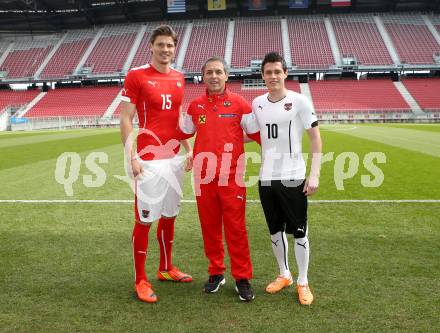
(165, 237)
(140, 245)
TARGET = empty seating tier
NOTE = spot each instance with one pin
(16, 98)
(210, 34)
(425, 92)
(68, 55)
(72, 102)
(358, 36)
(253, 39)
(309, 44)
(111, 50)
(357, 96)
(27, 56)
(412, 39)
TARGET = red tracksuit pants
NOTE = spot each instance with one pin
(224, 207)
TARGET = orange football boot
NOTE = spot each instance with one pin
(279, 283)
(305, 296)
(174, 274)
(144, 292)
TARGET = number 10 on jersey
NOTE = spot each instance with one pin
(166, 101)
(272, 131)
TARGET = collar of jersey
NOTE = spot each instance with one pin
(217, 97)
(157, 72)
(277, 100)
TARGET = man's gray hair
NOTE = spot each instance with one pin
(216, 58)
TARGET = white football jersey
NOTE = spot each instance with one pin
(281, 125)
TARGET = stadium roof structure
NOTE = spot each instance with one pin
(57, 15)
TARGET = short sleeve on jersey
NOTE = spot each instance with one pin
(306, 112)
(131, 88)
(186, 123)
(249, 123)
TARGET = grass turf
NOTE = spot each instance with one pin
(67, 267)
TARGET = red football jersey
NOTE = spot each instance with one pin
(158, 98)
(217, 119)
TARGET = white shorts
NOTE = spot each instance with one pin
(159, 190)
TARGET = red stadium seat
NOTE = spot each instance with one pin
(253, 38)
(210, 34)
(73, 102)
(357, 96)
(16, 98)
(358, 36)
(413, 41)
(425, 92)
(309, 44)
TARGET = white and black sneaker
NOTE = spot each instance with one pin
(244, 290)
(213, 284)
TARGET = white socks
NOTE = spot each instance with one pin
(302, 253)
(280, 248)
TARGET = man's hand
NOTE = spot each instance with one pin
(189, 161)
(136, 168)
(311, 185)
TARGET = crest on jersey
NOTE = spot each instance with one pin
(202, 119)
(179, 84)
(145, 213)
(227, 103)
(288, 106)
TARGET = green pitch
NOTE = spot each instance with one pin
(375, 266)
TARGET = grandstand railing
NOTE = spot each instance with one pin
(324, 116)
(37, 123)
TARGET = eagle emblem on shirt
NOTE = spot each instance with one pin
(227, 103)
(288, 106)
(202, 119)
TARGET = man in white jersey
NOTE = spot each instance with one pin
(281, 116)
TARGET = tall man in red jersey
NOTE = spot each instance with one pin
(219, 117)
(155, 93)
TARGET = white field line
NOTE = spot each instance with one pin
(193, 201)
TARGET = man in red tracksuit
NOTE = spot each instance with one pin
(219, 117)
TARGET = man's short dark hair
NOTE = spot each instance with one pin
(215, 58)
(163, 30)
(273, 57)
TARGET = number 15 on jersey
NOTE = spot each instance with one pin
(166, 101)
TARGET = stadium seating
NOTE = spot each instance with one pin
(143, 53)
(68, 55)
(27, 56)
(425, 92)
(111, 50)
(413, 41)
(358, 36)
(72, 102)
(309, 44)
(3, 47)
(15, 98)
(357, 96)
(253, 38)
(208, 38)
